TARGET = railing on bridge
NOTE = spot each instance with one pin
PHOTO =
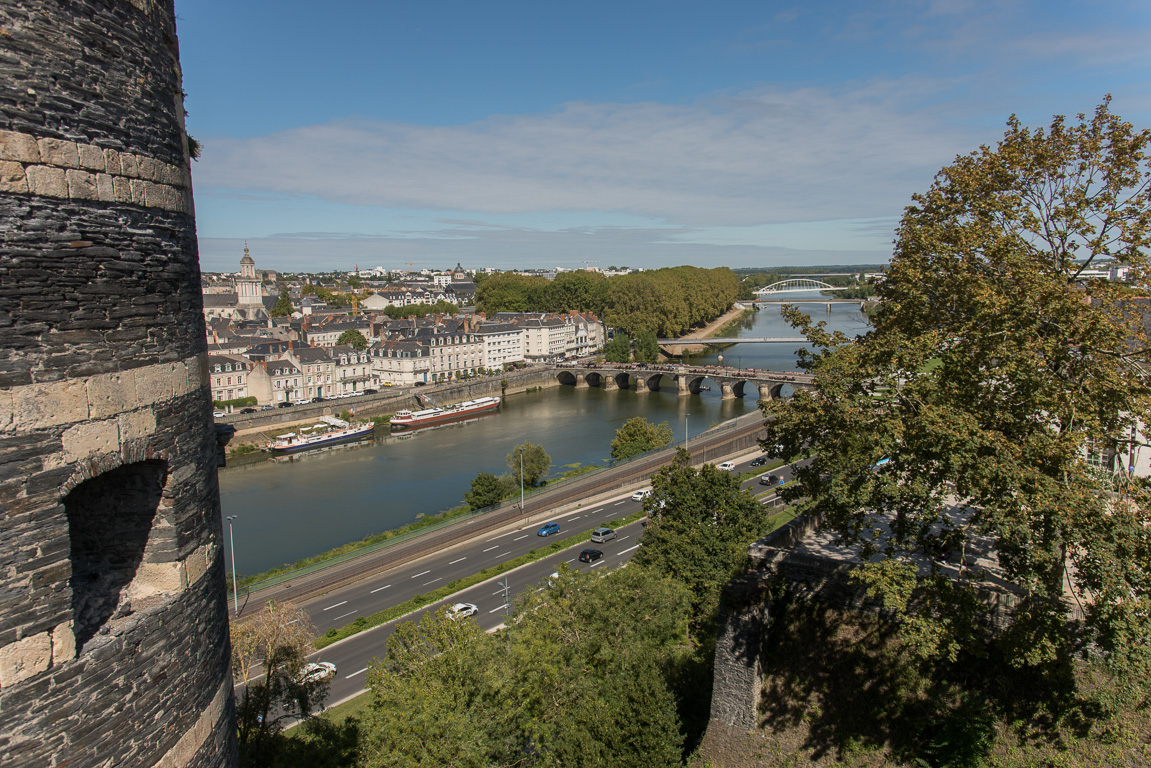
(797, 285)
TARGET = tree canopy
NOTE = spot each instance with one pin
(354, 338)
(638, 435)
(283, 306)
(487, 489)
(535, 464)
(618, 350)
(996, 367)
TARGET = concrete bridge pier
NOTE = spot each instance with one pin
(581, 382)
(728, 391)
(609, 383)
(681, 386)
(640, 384)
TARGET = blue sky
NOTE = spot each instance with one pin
(645, 133)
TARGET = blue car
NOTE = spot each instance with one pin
(548, 529)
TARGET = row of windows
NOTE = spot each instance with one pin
(220, 380)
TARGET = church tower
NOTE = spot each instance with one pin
(248, 285)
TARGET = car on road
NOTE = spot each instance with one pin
(462, 611)
(285, 404)
(759, 461)
(770, 480)
(370, 391)
(600, 535)
(590, 555)
(247, 410)
(266, 407)
(726, 466)
(641, 494)
(547, 529)
(421, 383)
(317, 399)
(317, 671)
(218, 414)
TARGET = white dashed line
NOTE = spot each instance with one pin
(493, 610)
(520, 537)
(418, 575)
(597, 562)
(573, 517)
(501, 554)
(489, 549)
(629, 549)
(433, 581)
(618, 503)
(357, 672)
(346, 615)
(378, 589)
(595, 510)
(457, 561)
(337, 605)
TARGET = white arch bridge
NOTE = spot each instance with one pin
(797, 285)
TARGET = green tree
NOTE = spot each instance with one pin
(646, 347)
(487, 489)
(535, 463)
(283, 306)
(354, 338)
(618, 350)
(700, 525)
(994, 367)
(638, 435)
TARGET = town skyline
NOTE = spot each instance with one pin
(525, 136)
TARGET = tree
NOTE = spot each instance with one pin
(354, 338)
(646, 347)
(618, 350)
(487, 489)
(700, 525)
(638, 435)
(995, 366)
(536, 463)
(283, 306)
(276, 641)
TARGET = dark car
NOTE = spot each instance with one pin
(371, 391)
(420, 383)
(317, 399)
(771, 480)
(759, 461)
(285, 404)
(590, 555)
(548, 529)
(247, 410)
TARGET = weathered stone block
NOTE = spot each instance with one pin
(154, 383)
(152, 578)
(47, 181)
(24, 658)
(105, 189)
(197, 564)
(149, 168)
(63, 643)
(137, 191)
(12, 177)
(137, 425)
(19, 147)
(91, 157)
(81, 185)
(112, 162)
(110, 394)
(36, 406)
(91, 438)
(128, 165)
(59, 152)
(122, 188)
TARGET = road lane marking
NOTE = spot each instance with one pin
(433, 581)
(595, 510)
(357, 672)
(570, 561)
(489, 549)
(457, 561)
(418, 575)
(573, 517)
(346, 615)
(597, 562)
(619, 502)
(493, 610)
(509, 533)
(629, 549)
(337, 605)
(501, 554)
(374, 591)
(521, 537)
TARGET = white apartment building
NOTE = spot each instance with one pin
(229, 375)
(353, 369)
(503, 344)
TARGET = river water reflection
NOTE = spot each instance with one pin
(314, 502)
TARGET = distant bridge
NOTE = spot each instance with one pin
(733, 340)
(797, 286)
(689, 380)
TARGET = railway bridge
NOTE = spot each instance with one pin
(688, 380)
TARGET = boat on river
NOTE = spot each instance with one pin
(329, 432)
(405, 419)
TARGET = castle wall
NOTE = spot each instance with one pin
(113, 624)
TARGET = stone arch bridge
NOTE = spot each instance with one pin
(688, 380)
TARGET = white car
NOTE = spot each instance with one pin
(462, 611)
(726, 466)
(218, 414)
(317, 671)
(641, 494)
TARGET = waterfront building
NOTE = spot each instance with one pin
(317, 371)
(229, 376)
(502, 344)
(353, 369)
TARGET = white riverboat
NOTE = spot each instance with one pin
(330, 431)
(404, 419)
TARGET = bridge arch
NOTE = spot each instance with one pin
(796, 285)
(567, 378)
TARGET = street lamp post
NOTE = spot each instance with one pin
(507, 603)
(232, 547)
(685, 432)
(521, 481)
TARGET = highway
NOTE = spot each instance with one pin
(340, 607)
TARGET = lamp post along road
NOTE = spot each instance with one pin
(232, 547)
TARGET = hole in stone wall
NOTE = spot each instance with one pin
(109, 519)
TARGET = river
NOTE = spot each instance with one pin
(290, 509)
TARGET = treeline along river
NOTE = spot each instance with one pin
(290, 509)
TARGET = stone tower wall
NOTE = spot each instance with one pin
(113, 626)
